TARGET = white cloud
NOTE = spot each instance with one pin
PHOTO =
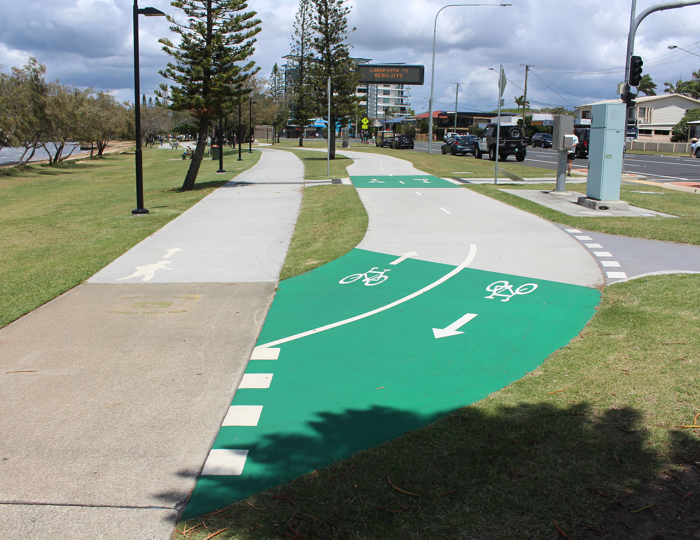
(89, 43)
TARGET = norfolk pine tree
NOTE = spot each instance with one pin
(209, 70)
(333, 60)
(302, 107)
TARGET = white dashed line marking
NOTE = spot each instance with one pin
(255, 380)
(446, 211)
(617, 275)
(572, 231)
(602, 254)
(583, 238)
(401, 182)
(265, 354)
(609, 264)
(417, 193)
(225, 463)
(243, 415)
(594, 246)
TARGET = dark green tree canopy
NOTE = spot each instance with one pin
(211, 64)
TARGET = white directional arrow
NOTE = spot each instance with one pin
(404, 256)
(451, 330)
(171, 252)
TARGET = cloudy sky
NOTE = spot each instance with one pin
(577, 47)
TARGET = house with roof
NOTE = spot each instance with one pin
(654, 116)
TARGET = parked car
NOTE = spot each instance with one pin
(393, 140)
(461, 144)
(584, 138)
(511, 141)
(541, 139)
(450, 135)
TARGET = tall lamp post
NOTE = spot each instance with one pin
(148, 12)
(221, 145)
(250, 123)
(682, 49)
(432, 77)
(240, 139)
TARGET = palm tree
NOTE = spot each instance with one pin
(647, 86)
(520, 102)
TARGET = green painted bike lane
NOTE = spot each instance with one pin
(423, 182)
(351, 387)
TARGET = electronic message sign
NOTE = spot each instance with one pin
(391, 73)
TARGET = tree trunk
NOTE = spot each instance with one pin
(198, 155)
(301, 138)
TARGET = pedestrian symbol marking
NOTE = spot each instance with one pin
(147, 271)
(505, 289)
(171, 252)
(371, 277)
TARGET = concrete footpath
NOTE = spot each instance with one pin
(113, 393)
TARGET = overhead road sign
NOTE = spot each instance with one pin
(391, 73)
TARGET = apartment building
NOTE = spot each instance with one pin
(377, 98)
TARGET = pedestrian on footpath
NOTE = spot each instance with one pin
(571, 156)
(693, 146)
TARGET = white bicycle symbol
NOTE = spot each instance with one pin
(371, 277)
(503, 288)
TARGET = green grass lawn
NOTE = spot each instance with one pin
(61, 224)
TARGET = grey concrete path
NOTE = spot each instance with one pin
(440, 224)
(622, 258)
(113, 393)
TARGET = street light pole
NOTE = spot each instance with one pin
(682, 49)
(221, 145)
(432, 76)
(148, 12)
(250, 122)
(240, 141)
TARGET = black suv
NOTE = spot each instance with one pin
(541, 139)
(511, 141)
(393, 140)
(584, 138)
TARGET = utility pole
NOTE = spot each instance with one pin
(457, 85)
(527, 68)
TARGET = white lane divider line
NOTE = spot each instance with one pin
(401, 182)
(572, 231)
(593, 246)
(243, 415)
(418, 193)
(266, 354)
(602, 254)
(255, 380)
(446, 211)
(583, 238)
(403, 257)
(617, 275)
(608, 264)
(225, 462)
(451, 273)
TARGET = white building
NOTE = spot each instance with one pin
(376, 98)
(655, 116)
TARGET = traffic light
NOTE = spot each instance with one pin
(636, 70)
(630, 99)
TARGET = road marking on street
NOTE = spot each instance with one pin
(265, 354)
(255, 380)
(243, 415)
(609, 264)
(401, 182)
(225, 463)
(617, 275)
(573, 231)
(451, 330)
(403, 257)
(602, 254)
(171, 252)
(446, 211)
(593, 246)
(417, 193)
(583, 238)
(451, 273)
(147, 271)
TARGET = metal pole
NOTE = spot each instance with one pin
(498, 126)
(432, 74)
(221, 145)
(328, 129)
(140, 210)
(250, 123)
(456, 102)
(240, 142)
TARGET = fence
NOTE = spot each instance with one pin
(680, 148)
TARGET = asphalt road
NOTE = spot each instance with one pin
(657, 168)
